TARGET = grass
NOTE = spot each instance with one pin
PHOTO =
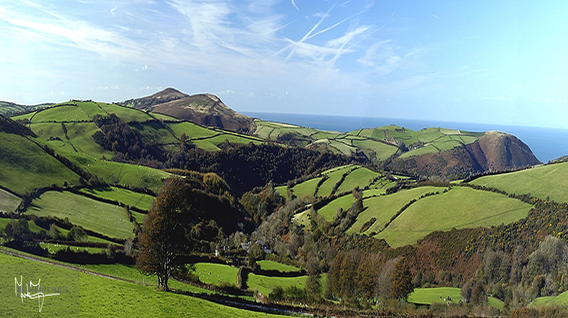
(334, 177)
(140, 200)
(265, 284)
(459, 208)
(191, 130)
(163, 117)
(382, 151)
(81, 136)
(542, 181)
(125, 113)
(154, 133)
(8, 201)
(26, 166)
(92, 296)
(91, 109)
(360, 177)
(271, 265)
(330, 210)
(52, 248)
(31, 225)
(305, 189)
(216, 274)
(419, 152)
(100, 217)
(124, 174)
(427, 296)
(560, 300)
(302, 218)
(383, 208)
(61, 114)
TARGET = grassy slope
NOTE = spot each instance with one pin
(334, 177)
(357, 178)
(427, 296)
(542, 181)
(459, 208)
(92, 296)
(129, 175)
(216, 273)
(8, 201)
(128, 197)
(25, 166)
(305, 189)
(329, 210)
(64, 113)
(383, 208)
(271, 265)
(100, 217)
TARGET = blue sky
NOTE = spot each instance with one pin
(502, 62)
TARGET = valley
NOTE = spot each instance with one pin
(279, 214)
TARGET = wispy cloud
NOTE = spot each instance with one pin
(68, 31)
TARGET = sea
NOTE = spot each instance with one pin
(546, 143)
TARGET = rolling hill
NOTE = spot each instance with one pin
(202, 109)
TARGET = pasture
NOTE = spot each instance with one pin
(8, 201)
(63, 113)
(275, 266)
(125, 113)
(428, 296)
(383, 208)
(211, 273)
(330, 210)
(124, 174)
(103, 218)
(140, 200)
(305, 189)
(458, 208)
(543, 181)
(26, 166)
(86, 295)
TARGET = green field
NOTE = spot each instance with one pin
(459, 208)
(65, 113)
(154, 133)
(334, 175)
(360, 177)
(305, 189)
(428, 296)
(265, 284)
(124, 174)
(53, 248)
(86, 295)
(560, 300)
(275, 266)
(191, 130)
(210, 273)
(103, 218)
(31, 225)
(8, 201)
(26, 166)
(91, 109)
(542, 181)
(128, 197)
(383, 208)
(330, 210)
(125, 113)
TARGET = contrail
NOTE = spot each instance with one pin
(295, 6)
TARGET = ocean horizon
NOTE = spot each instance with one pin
(546, 143)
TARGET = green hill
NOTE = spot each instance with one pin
(544, 181)
(458, 208)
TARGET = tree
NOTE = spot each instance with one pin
(401, 281)
(163, 240)
(313, 284)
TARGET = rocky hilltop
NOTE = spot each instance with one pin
(494, 151)
(202, 109)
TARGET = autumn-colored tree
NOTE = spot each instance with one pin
(401, 285)
(163, 240)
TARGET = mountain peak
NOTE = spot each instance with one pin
(202, 109)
